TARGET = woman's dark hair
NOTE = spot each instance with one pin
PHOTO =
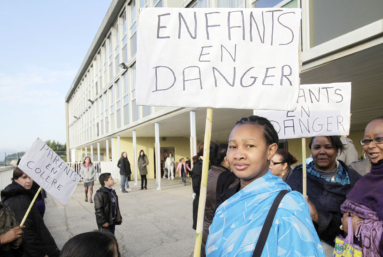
(213, 149)
(271, 136)
(335, 141)
(181, 159)
(143, 156)
(122, 155)
(218, 154)
(286, 156)
(90, 160)
(104, 177)
(17, 173)
(95, 244)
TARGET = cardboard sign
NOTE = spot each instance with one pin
(218, 58)
(48, 170)
(322, 110)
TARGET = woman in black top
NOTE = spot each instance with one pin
(125, 171)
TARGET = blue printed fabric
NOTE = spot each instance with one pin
(341, 176)
(238, 222)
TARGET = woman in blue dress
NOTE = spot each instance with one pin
(238, 221)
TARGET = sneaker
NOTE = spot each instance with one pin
(129, 189)
(121, 189)
(125, 192)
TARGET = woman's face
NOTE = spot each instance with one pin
(324, 154)
(374, 151)
(125, 155)
(25, 181)
(248, 154)
(170, 155)
(141, 153)
(277, 166)
(87, 160)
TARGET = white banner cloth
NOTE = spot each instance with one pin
(218, 57)
(323, 110)
(48, 170)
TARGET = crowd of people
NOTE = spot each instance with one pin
(254, 202)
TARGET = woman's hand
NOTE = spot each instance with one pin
(106, 225)
(355, 220)
(313, 210)
(11, 235)
(345, 222)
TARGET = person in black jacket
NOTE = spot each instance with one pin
(10, 233)
(125, 172)
(196, 174)
(106, 205)
(328, 182)
(37, 240)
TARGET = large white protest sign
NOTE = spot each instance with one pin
(322, 110)
(48, 170)
(218, 58)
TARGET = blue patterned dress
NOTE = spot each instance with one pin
(238, 222)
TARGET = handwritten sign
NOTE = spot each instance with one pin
(218, 57)
(322, 110)
(48, 170)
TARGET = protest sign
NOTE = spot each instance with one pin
(48, 170)
(322, 110)
(218, 58)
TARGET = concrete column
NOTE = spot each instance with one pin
(118, 147)
(107, 150)
(158, 161)
(80, 155)
(193, 134)
(98, 153)
(112, 152)
(135, 156)
(254, 112)
(91, 152)
(86, 151)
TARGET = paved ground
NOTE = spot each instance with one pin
(156, 223)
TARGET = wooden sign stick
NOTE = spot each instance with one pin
(205, 171)
(30, 207)
(304, 172)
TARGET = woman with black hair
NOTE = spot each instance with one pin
(239, 222)
(281, 163)
(37, 240)
(95, 244)
(142, 163)
(124, 165)
(328, 182)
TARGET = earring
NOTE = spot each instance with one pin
(365, 156)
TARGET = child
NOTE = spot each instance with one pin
(106, 205)
(182, 168)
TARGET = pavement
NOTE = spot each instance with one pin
(155, 223)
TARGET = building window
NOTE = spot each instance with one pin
(134, 105)
(146, 110)
(266, 3)
(158, 3)
(144, 3)
(110, 59)
(133, 30)
(201, 4)
(232, 3)
(124, 40)
(126, 98)
(117, 62)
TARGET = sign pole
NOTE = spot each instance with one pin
(205, 171)
(304, 172)
(30, 207)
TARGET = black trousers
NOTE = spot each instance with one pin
(143, 177)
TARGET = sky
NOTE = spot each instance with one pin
(42, 45)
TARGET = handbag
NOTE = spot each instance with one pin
(346, 247)
(268, 223)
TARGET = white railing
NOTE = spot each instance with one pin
(6, 175)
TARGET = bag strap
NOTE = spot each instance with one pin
(350, 236)
(268, 223)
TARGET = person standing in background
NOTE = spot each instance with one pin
(169, 164)
(142, 163)
(125, 171)
(280, 164)
(189, 164)
(87, 173)
(349, 154)
(182, 168)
